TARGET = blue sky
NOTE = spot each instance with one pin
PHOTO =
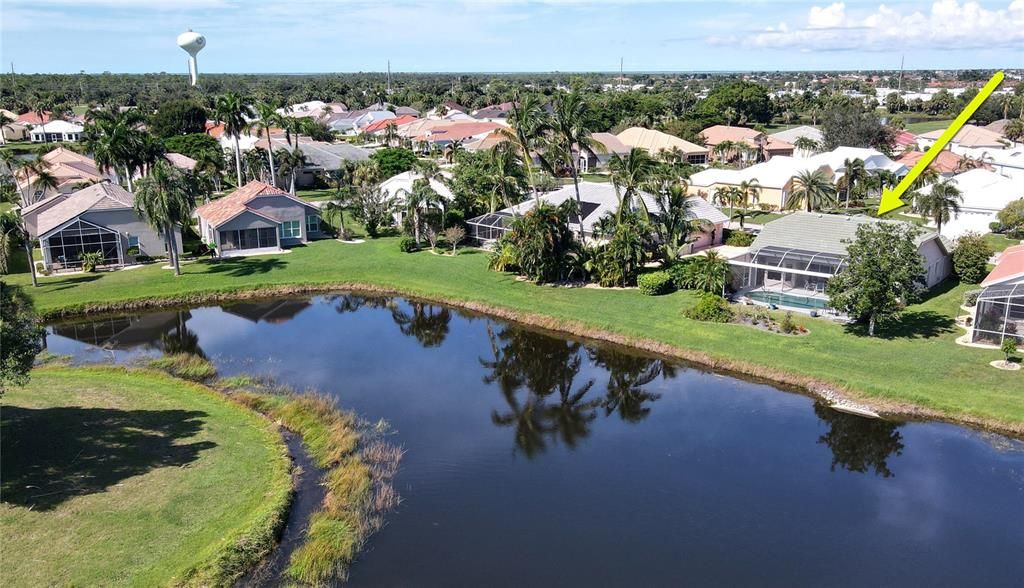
(509, 35)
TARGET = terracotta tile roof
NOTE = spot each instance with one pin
(1010, 265)
(946, 162)
(904, 138)
(970, 136)
(718, 133)
(180, 161)
(456, 131)
(31, 118)
(224, 209)
(382, 124)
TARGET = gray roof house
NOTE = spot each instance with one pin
(257, 218)
(792, 259)
(99, 218)
(598, 199)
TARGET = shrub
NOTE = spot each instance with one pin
(970, 258)
(971, 297)
(708, 272)
(655, 283)
(618, 263)
(90, 260)
(1009, 347)
(539, 245)
(408, 245)
(133, 251)
(739, 239)
(710, 308)
(787, 325)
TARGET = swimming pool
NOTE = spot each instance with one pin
(788, 300)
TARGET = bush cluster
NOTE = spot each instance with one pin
(971, 297)
(408, 245)
(655, 283)
(970, 258)
(739, 238)
(710, 308)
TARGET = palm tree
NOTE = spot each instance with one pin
(940, 203)
(390, 136)
(812, 189)
(451, 150)
(165, 201)
(291, 162)
(210, 164)
(339, 180)
(268, 119)
(571, 130)
(629, 173)
(854, 175)
(5, 121)
(725, 150)
(1014, 130)
(528, 122)
(807, 144)
(421, 197)
(114, 139)
(674, 222)
(233, 112)
(148, 151)
(742, 195)
(709, 272)
(504, 176)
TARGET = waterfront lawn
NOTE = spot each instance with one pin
(915, 363)
(927, 126)
(123, 477)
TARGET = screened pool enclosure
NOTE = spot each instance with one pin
(64, 248)
(999, 314)
(775, 269)
(488, 227)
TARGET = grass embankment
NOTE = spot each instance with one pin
(913, 368)
(116, 476)
(357, 476)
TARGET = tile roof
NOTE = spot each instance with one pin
(180, 161)
(612, 144)
(946, 162)
(1009, 266)
(818, 232)
(382, 124)
(455, 131)
(104, 196)
(716, 134)
(655, 141)
(31, 118)
(791, 135)
(970, 136)
(218, 212)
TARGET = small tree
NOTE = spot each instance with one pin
(22, 336)
(454, 236)
(970, 258)
(884, 272)
(1009, 348)
(372, 207)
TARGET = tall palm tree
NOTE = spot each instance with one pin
(725, 150)
(268, 119)
(115, 140)
(940, 203)
(571, 130)
(451, 150)
(421, 197)
(291, 163)
(504, 176)
(807, 144)
(165, 200)
(674, 222)
(812, 189)
(210, 165)
(527, 124)
(390, 136)
(628, 174)
(340, 181)
(854, 175)
(234, 113)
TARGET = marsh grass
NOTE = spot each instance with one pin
(359, 468)
(184, 365)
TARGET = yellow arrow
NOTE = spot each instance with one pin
(891, 197)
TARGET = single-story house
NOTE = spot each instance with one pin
(396, 187)
(598, 159)
(354, 121)
(655, 142)
(71, 170)
(320, 156)
(946, 163)
(794, 257)
(774, 180)
(257, 218)
(13, 130)
(98, 218)
(794, 134)
(984, 194)
(598, 199)
(1006, 162)
(494, 112)
(999, 311)
(967, 141)
(762, 146)
(56, 131)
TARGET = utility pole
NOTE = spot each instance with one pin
(899, 83)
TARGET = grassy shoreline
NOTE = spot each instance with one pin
(917, 371)
(137, 458)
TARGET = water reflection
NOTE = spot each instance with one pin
(427, 323)
(163, 331)
(537, 374)
(859, 444)
(268, 311)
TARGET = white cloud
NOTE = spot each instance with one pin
(948, 25)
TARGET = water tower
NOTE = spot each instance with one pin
(192, 43)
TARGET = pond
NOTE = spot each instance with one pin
(535, 459)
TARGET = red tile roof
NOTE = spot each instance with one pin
(224, 209)
(1010, 265)
(946, 162)
(380, 125)
(32, 118)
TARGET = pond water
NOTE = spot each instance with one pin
(533, 459)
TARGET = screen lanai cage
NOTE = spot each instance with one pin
(999, 313)
(488, 227)
(64, 248)
(785, 269)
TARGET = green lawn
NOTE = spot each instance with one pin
(927, 126)
(120, 477)
(1000, 242)
(753, 216)
(919, 364)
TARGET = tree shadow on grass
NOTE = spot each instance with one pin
(55, 454)
(71, 282)
(240, 267)
(915, 324)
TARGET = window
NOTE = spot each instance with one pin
(291, 230)
(133, 241)
(312, 224)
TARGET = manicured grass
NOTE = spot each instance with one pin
(915, 363)
(130, 477)
(1000, 242)
(753, 216)
(927, 126)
